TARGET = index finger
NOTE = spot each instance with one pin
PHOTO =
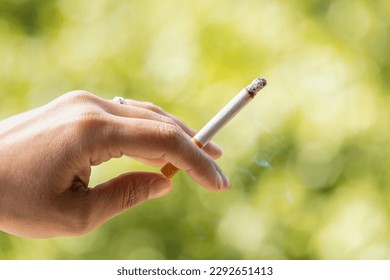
(211, 148)
(152, 139)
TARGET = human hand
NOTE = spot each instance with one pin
(46, 156)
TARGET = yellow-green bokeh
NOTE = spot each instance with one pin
(308, 158)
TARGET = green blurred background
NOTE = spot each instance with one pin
(308, 158)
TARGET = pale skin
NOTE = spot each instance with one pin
(46, 156)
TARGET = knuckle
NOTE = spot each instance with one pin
(167, 120)
(79, 96)
(88, 120)
(171, 134)
(91, 119)
(83, 110)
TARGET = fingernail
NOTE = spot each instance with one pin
(159, 188)
(223, 181)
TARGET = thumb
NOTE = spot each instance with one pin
(127, 190)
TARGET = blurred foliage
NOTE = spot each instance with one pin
(309, 158)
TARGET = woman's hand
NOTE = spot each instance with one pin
(46, 156)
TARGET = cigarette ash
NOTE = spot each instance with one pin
(256, 85)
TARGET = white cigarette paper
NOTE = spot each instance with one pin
(221, 119)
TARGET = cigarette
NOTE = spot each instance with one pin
(220, 120)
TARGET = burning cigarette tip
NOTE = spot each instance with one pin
(256, 85)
